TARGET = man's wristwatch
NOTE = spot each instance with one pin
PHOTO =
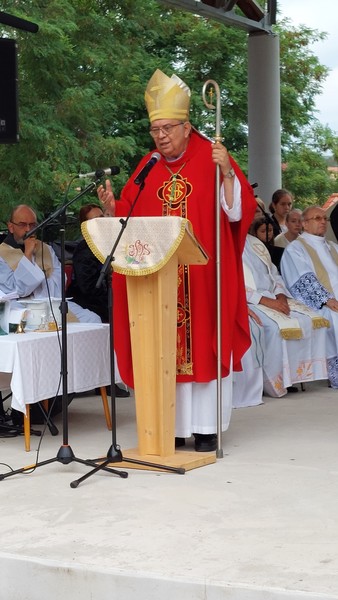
(230, 174)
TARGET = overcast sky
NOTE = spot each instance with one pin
(323, 16)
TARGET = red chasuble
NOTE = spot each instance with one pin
(186, 188)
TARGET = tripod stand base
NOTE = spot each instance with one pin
(180, 460)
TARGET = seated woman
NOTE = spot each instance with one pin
(86, 272)
(281, 204)
(293, 221)
(262, 229)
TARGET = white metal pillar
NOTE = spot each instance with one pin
(264, 114)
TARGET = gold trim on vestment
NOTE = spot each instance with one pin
(184, 225)
(321, 272)
(291, 334)
(93, 247)
(42, 257)
(318, 322)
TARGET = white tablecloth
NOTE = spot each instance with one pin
(33, 360)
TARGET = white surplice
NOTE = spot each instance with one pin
(300, 277)
(29, 281)
(286, 361)
(248, 384)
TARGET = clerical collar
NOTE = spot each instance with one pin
(10, 241)
(316, 239)
(171, 160)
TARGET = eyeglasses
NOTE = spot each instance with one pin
(166, 130)
(22, 224)
(318, 218)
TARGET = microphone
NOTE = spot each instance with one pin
(155, 157)
(100, 172)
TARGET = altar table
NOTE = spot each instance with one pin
(30, 363)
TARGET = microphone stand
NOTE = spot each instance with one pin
(268, 221)
(114, 454)
(65, 454)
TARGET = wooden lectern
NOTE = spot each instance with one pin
(149, 253)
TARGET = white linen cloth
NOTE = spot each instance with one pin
(34, 361)
(285, 361)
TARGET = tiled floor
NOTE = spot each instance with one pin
(259, 524)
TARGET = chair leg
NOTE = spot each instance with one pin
(45, 404)
(107, 414)
(302, 387)
(27, 428)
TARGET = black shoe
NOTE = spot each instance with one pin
(6, 431)
(205, 442)
(121, 392)
(292, 389)
(179, 442)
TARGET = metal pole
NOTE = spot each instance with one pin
(214, 86)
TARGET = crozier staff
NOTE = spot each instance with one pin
(182, 183)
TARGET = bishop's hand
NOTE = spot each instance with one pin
(107, 198)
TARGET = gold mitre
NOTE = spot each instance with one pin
(167, 97)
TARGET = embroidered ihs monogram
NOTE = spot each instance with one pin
(174, 191)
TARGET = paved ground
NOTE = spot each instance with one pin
(259, 524)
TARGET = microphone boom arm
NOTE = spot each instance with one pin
(60, 210)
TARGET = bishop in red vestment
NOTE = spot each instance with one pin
(182, 184)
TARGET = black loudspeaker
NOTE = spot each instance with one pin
(9, 106)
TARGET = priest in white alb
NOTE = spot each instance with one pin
(294, 343)
(310, 269)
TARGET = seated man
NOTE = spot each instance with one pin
(294, 346)
(262, 229)
(310, 270)
(30, 267)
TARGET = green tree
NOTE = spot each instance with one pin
(306, 166)
(305, 142)
(82, 80)
(307, 176)
(301, 76)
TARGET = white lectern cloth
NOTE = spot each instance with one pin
(146, 244)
